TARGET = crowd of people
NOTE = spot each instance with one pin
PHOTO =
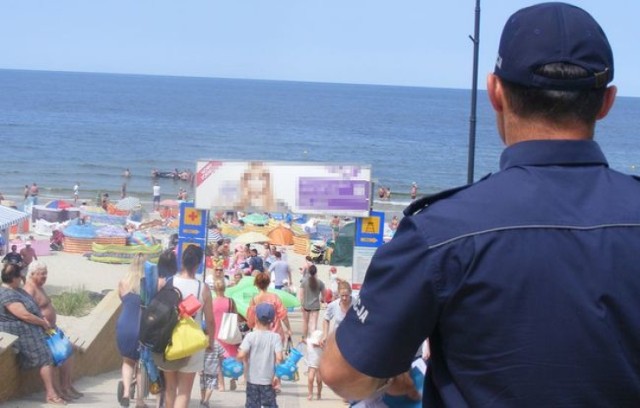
(524, 283)
(267, 320)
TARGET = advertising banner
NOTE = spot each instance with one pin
(286, 187)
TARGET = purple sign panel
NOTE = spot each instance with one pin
(334, 195)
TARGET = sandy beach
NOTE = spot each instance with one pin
(69, 271)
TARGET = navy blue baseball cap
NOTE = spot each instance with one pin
(265, 312)
(554, 33)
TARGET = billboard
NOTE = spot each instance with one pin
(259, 186)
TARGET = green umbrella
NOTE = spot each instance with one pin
(245, 290)
(256, 219)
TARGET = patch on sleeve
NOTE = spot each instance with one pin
(361, 310)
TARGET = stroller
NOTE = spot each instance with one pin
(56, 241)
(318, 252)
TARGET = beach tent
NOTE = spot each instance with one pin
(53, 213)
(128, 204)
(343, 247)
(281, 236)
(8, 218)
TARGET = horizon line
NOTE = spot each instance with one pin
(237, 78)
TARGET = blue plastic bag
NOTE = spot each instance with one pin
(232, 368)
(60, 346)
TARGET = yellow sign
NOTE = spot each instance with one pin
(192, 216)
(370, 225)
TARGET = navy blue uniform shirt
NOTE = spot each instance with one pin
(527, 284)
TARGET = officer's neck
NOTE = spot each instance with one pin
(516, 129)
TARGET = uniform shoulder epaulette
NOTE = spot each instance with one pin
(426, 201)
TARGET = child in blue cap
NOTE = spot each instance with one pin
(261, 349)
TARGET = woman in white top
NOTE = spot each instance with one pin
(337, 309)
(180, 374)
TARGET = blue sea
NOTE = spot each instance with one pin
(60, 128)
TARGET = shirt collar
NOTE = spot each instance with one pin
(552, 152)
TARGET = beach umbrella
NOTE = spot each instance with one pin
(250, 238)
(168, 202)
(245, 290)
(59, 204)
(256, 219)
(128, 204)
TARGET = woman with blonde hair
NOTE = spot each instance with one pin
(337, 310)
(222, 305)
(128, 328)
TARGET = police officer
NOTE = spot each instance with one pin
(527, 282)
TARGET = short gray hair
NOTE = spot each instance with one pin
(36, 266)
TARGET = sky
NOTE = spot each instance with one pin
(403, 42)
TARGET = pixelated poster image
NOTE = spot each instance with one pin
(258, 186)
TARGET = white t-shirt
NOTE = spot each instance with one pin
(334, 312)
(261, 346)
(76, 188)
(313, 355)
(156, 191)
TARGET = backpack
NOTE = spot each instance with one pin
(158, 319)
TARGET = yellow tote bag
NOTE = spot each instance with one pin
(187, 339)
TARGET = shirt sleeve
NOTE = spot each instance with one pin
(9, 296)
(329, 313)
(246, 343)
(397, 307)
(281, 311)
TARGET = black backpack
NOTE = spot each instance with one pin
(159, 318)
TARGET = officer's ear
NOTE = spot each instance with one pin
(496, 93)
(607, 102)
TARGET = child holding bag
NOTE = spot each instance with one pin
(262, 349)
